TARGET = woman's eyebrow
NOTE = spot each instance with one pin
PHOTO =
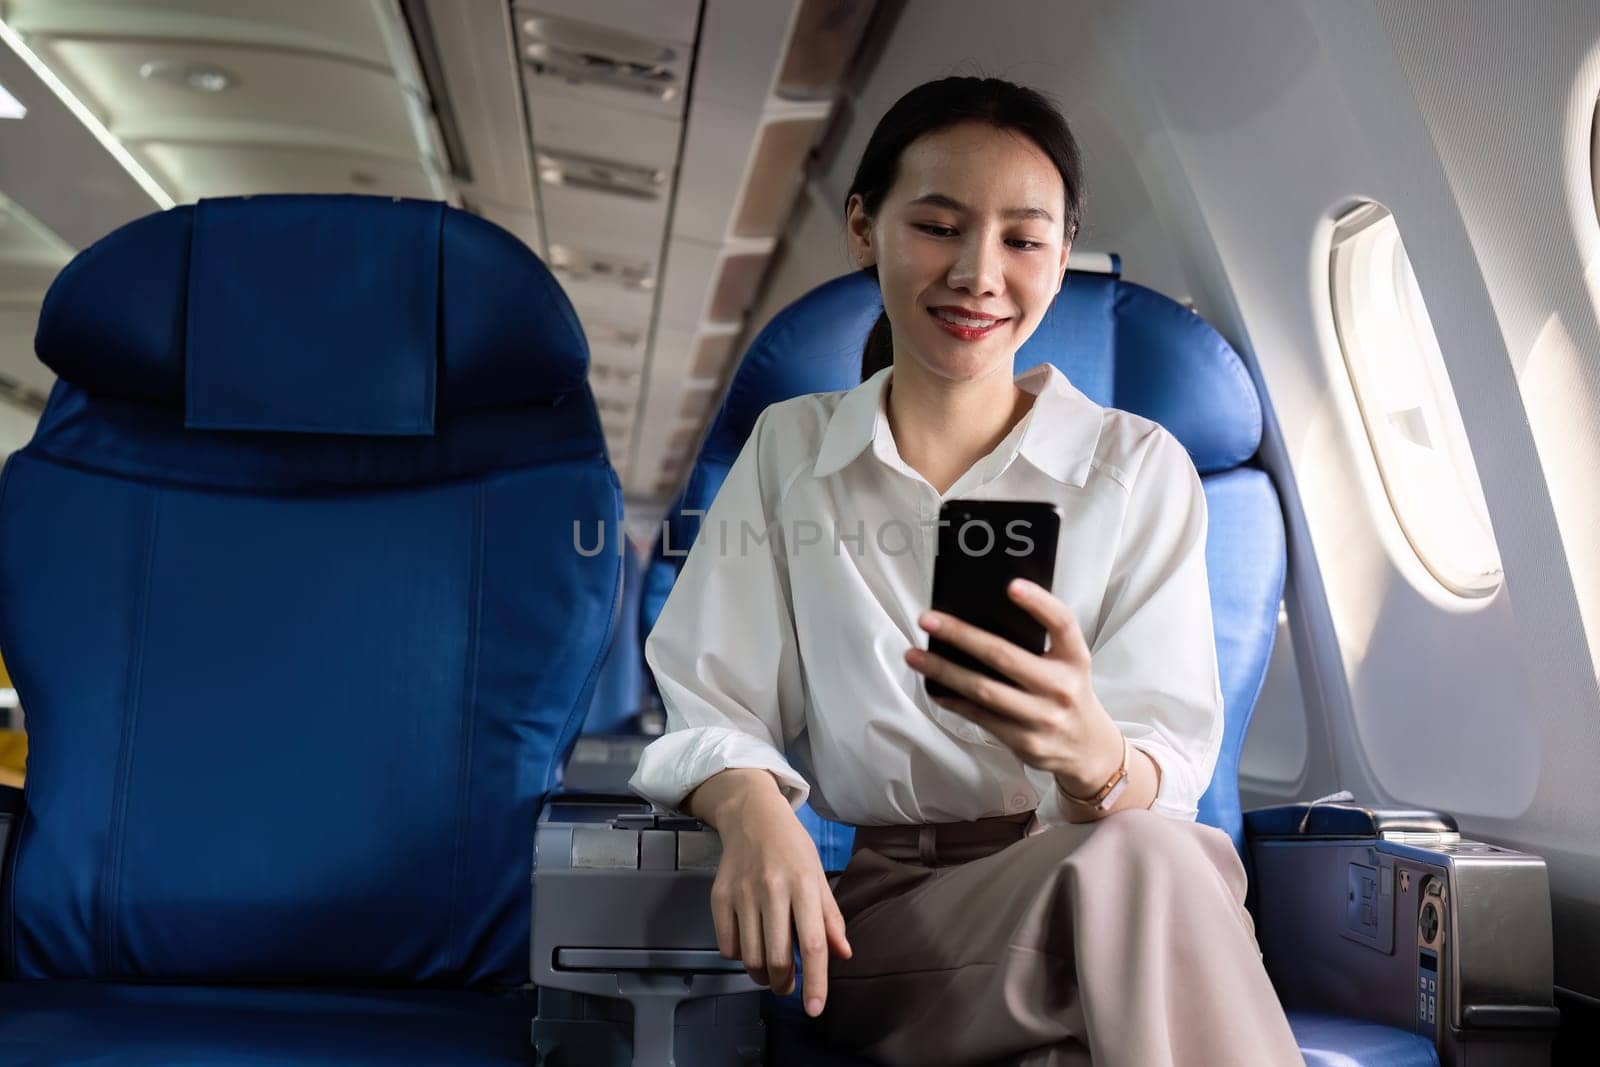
(941, 200)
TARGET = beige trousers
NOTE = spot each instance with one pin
(1119, 943)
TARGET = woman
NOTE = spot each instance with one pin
(1028, 879)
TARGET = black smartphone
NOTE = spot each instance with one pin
(983, 545)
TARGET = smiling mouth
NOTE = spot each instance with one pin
(964, 321)
(962, 327)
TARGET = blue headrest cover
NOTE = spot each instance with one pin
(812, 346)
(1129, 347)
(320, 314)
(1119, 343)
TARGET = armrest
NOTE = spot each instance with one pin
(622, 911)
(1390, 915)
(603, 763)
(1345, 820)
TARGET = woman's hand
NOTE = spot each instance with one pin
(1049, 716)
(769, 885)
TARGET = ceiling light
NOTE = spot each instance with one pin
(10, 106)
(196, 77)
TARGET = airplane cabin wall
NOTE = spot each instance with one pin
(1221, 142)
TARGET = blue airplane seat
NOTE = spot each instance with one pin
(617, 693)
(302, 639)
(1122, 345)
(812, 346)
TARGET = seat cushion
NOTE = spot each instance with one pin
(75, 1024)
(1336, 1041)
(1325, 1040)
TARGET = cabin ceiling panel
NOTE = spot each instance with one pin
(344, 29)
(671, 21)
(18, 321)
(746, 150)
(30, 256)
(302, 105)
(577, 123)
(476, 48)
(158, 86)
(204, 170)
(609, 224)
(26, 244)
(325, 97)
(616, 65)
(626, 308)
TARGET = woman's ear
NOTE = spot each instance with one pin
(1061, 274)
(858, 230)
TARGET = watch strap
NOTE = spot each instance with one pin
(1106, 795)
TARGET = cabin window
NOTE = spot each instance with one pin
(1403, 391)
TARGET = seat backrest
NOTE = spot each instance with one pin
(301, 638)
(1123, 346)
(618, 692)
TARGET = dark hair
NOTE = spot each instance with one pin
(935, 106)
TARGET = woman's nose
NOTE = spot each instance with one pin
(977, 268)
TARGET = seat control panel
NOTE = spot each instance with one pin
(1430, 954)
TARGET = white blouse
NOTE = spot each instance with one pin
(782, 644)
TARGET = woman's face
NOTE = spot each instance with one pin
(970, 248)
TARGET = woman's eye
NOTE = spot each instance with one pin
(1021, 244)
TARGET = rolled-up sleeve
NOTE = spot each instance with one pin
(1154, 659)
(723, 650)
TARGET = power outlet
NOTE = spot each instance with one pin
(1369, 904)
(1361, 904)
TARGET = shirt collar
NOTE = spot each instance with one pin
(1059, 439)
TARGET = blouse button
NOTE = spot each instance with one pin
(1019, 803)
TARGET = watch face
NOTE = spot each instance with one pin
(1116, 791)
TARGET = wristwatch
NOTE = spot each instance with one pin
(1108, 793)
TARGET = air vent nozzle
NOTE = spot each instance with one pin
(601, 175)
(582, 53)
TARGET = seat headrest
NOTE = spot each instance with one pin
(321, 314)
(811, 346)
(1120, 344)
(1129, 347)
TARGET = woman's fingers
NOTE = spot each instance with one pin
(751, 944)
(1067, 642)
(811, 927)
(1029, 671)
(771, 899)
(1007, 701)
(726, 922)
(775, 920)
